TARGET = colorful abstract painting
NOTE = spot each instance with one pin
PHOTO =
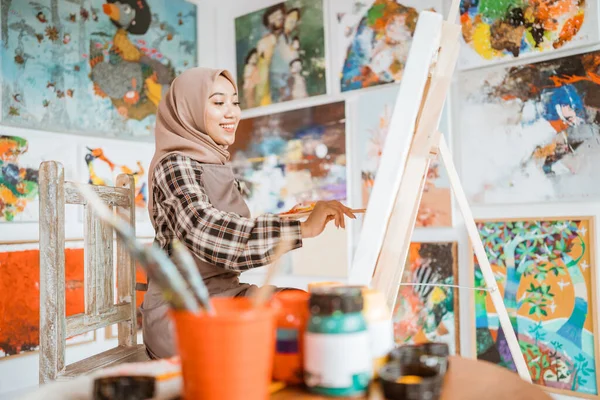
(545, 271)
(20, 157)
(101, 163)
(61, 59)
(291, 157)
(530, 133)
(497, 30)
(426, 314)
(374, 110)
(280, 52)
(20, 298)
(373, 38)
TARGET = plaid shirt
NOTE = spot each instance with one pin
(182, 209)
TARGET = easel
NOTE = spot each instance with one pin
(413, 141)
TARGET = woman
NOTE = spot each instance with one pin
(195, 198)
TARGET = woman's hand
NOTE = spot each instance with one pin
(324, 212)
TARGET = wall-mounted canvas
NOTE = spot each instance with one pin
(291, 157)
(20, 156)
(426, 314)
(374, 112)
(280, 53)
(502, 30)
(372, 39)
(92, 66)
(530, 133)
(20, 298)
(545, 270)
(100, 164)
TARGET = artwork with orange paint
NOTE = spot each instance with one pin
(530, 133)
(427, 313)
(497, 30)
(374, 116)
(20, 298)
(545, 272)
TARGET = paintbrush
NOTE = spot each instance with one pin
(188, 268)
(266, 290)
(157, 264)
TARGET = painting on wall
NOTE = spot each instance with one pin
(530, 133)
(101, 164)
(373, 38)
(374, 112)
(280, 53)
(426, 314)
(20, 158)
(545, 271)
(20, 298)
(501, 30)
(292, 157)
(61, 59)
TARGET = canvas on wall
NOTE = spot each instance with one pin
(372, 39)
(426, 314)
(20, 298)
(291, 157)
(545, 270)
(530, 133)
(61, 59)
(21, 154)
(280, 53)
(374, 110)
(502, 30)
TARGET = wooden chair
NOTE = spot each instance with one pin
(100, 310)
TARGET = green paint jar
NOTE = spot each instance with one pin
(337, 358)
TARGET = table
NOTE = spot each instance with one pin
(466, 380)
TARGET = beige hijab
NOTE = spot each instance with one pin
(180, 123)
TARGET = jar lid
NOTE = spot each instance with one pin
(328, 300)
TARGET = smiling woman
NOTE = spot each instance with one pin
(194, 197)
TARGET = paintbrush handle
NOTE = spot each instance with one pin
(266, 290)
(188, 268)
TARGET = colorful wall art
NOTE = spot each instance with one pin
(372, 39)
(20, 298)
(499, 30)
(545, 270)
(280, 53)
(291, 157)
(428, 313)
(530, 133)
(374, 112)
(61, 59)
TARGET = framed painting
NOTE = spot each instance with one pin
(545, 270)
(372, 39)
(21, 154)
(61, 59)
(529, 133)
(426, 314)
(280, 53)
(496, 30)
(20, 297)
(291, 157)
(374, 110)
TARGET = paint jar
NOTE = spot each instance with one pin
(314, 285)
(337, 356)
(380, 326)
(292, 316)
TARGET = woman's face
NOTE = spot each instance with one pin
(222, 112)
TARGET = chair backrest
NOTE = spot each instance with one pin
(100, 307)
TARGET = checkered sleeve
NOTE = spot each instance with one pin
(221, 238)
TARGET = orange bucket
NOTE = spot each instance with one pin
(228, 355)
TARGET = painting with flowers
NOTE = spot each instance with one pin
(545, 270)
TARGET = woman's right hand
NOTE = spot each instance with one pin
(324, 212)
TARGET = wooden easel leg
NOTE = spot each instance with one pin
(484, 263)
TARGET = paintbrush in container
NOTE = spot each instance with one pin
(157, 264)
(189, 270)
(266, 290)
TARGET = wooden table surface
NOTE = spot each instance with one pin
(466, 380)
